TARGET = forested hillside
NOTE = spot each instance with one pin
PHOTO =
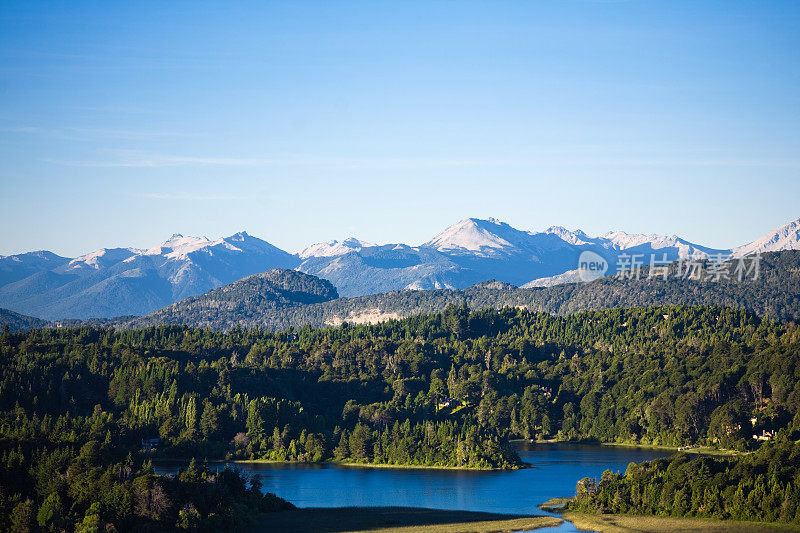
(763, 486)
(447, 389)
(775, 293)
(18, 322)
(273, 292)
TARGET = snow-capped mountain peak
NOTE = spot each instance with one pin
(114, 281)
(786, 237)
(334, 248)
(178, 246)
(132, 281)
(672, 244)
(246, 243)
(103, 258)
(576, 237)
(623, 240)
(471, 235)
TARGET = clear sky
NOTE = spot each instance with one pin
(124, 122)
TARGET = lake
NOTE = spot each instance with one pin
(555, 469)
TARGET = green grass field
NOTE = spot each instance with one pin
(554, 505)
(658, 524)
(700, 450)
(396, 520)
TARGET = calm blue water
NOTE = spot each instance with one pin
(555, 470)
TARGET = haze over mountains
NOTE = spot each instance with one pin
(128, 281)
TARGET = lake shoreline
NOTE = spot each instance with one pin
(700, 450)
(517, 494)
(630, 523)
(397, 520)
(339, 463)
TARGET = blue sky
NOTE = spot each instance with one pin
(121, 123)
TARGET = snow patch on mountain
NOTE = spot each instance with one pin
(427, 285)
(570, 276)
(367, 316)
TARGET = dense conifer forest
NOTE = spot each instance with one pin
(761, 486)
(83, 411)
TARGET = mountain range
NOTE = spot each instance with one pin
(279, 299)
(127, 281)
